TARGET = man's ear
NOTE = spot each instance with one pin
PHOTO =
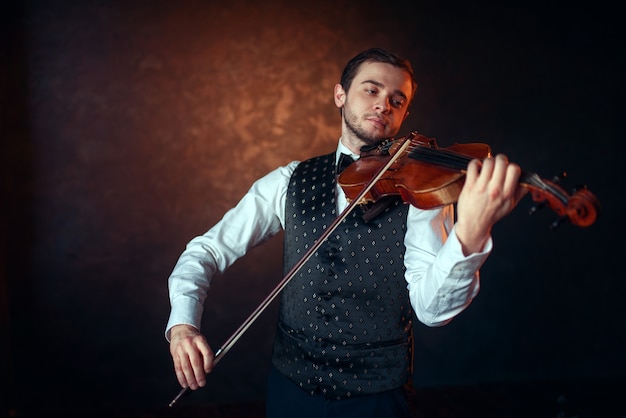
(339, 96)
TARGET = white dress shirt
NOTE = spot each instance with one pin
(441, 280)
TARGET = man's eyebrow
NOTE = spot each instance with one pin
(381, 85)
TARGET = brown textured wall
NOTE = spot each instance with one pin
(130, 127)
(149, 120)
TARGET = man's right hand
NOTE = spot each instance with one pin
(192, 355)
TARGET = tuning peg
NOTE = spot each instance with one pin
(535, 208)
(557, 179)
(558, 222)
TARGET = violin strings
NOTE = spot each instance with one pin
(456, 161)
(444, 158)
(534, 180)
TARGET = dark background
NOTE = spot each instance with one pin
(128, 127)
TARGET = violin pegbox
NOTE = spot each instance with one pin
(580, 207)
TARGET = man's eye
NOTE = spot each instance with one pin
(397, 102)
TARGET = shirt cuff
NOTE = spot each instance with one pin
(186, 311)
(466, 265)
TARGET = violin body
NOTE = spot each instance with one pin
(425, 185)
(428, 177)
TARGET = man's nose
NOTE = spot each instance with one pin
(383, 104)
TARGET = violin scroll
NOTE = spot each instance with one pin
(581, 208)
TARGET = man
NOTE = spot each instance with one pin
(343, 340)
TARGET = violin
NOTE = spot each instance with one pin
(429, 177)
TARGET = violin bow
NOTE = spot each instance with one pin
(230, 342)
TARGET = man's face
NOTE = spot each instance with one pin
(376, 104)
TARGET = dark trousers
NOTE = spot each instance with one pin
(286, 400)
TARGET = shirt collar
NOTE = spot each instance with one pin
(342, 149)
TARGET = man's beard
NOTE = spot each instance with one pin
(352, 123)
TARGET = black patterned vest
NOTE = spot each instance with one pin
(345, 318)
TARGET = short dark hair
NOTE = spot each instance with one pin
(376, 55)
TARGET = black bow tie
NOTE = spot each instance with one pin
(344, 161)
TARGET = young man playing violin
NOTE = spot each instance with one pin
(343, 341)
